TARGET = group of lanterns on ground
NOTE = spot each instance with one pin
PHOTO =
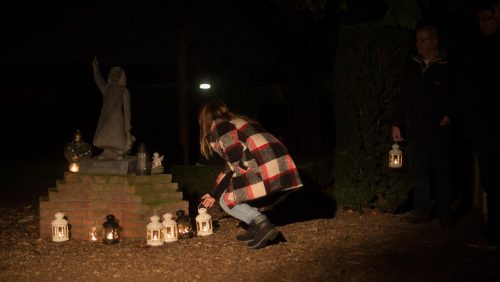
(171, 230)
(157, 233)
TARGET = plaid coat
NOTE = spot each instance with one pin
(257, 163)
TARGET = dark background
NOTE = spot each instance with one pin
(267, 59)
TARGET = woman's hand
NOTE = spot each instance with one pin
(208, 201)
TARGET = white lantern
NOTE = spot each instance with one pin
(170, 232)
(203, 223)
(60, 228)
(154, 236)
(395, 157)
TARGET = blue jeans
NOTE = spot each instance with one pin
(243, 212)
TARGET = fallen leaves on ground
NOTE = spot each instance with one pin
(372, 246)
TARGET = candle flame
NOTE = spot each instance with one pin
(110, 235)
(73, 167)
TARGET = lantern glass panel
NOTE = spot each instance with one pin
(203, 223)
(170, 231)
(154, 234)
(111, 230)
(95, 233)
(60, 232)
(142, 160)
(77, 151)
(184, 225)
(395, 157)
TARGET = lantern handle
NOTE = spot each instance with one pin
(200, 205)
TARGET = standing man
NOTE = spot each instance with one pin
(481, 105)
(423, 118)
(496, 5)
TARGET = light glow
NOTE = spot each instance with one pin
(74, 167)
(205, 86)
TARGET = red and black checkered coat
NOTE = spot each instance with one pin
(257, 163)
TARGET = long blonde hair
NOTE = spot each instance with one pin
(213, 110)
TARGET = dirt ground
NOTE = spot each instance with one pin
(350, 246)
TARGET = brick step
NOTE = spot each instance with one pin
(150, 197)
(171, 207)
(154, 178)
(157, 187)
(156, 199)
(87, 199)
(117, 179)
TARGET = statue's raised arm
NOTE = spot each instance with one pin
(99, 80)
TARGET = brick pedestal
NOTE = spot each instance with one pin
(87, 199)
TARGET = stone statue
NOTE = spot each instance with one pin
(113, 128)
(156, 166)
(157, 161)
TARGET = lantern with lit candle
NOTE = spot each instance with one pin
(111, 230)
(395, 157)
(95, 233)
(154, 234)
(60, 228)
(76, 151)
(170, 232)
(184, 225)
(203, 222)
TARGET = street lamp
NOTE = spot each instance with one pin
(205, 86)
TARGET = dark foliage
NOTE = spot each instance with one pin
(369, 61)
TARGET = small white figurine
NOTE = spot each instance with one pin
(157, 160)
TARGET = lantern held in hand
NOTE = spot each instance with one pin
(184, 225)
(203, 223)
(111, 230)
(154, 235)
(395, 157)
(60, 228)
(170, 232)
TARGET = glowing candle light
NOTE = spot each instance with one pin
(170, 231)
(203, 222)
(395, 157)
(74, 167)
(112, 230)
(60, 228)
(154, 229)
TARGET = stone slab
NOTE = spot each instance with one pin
(108, 167)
